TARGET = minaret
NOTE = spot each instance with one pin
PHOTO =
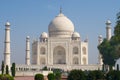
(108, 29)
(100, 39)
(27, 60)
(7, 45)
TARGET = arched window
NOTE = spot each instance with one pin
(84, 61)
(84, 50)
(42, 50)
(42, 60)
(75, 50)
(75, 60)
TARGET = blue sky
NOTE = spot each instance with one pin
(32, 17)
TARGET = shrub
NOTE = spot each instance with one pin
(95, 75)
(99, 74)
(57, 73)
(76, 75)
(58, 76)
(51, 76)
(39, 77)
(113, 75)
(6, 77)
(91, 76)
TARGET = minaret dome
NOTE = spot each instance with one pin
(7, 23)
(28, 37)
(108, 22)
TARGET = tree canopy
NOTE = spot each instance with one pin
(107, 51)
(110, 49)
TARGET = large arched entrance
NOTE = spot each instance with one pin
(59, 55)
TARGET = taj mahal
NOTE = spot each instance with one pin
(61, 48)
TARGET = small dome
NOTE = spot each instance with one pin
(108, 22)
(75, 34)
(28, 37)
(7, 24)
(100, 36)
(61, 26)
(44, 35)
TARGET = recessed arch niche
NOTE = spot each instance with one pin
(59, 55)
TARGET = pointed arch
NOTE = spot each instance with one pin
(75, 60)
(84, 50)
(42, 50)
(75, 50)
(59, 55)
(84, 61)
(42, 61)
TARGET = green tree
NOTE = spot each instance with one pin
(39, 77)
(76, 75)
(118, 17)
(7, 69)
(13, 69)
(51, 76)
(107, 51)
(115, 40)
(2, 67)
(110, 50)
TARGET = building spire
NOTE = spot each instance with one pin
(60, 9)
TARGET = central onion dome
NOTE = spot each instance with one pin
(61, 26)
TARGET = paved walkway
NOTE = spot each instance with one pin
(24, 78)
(32, 78)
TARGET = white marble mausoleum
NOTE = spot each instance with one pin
(61, 47)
